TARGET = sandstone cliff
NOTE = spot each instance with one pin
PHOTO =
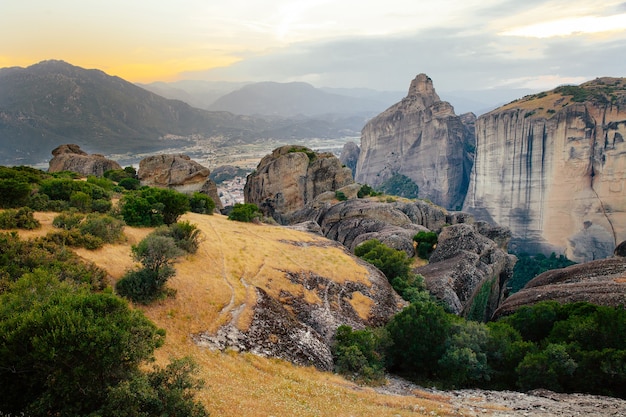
(422, 139)
(179, 172)
(292, 176)
(71, 158)
(350, 156)
(552, 168)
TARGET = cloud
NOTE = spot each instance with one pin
(454, 59)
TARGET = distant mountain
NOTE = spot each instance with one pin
(198, 93)
(53, 102)
(296, 98)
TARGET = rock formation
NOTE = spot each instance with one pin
(601, 282)
(422, 139)
(292, 176)
(179, 172)
(468, 271)
(552, 168)
(71, 158)
(350, 156)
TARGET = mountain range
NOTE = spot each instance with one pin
(53, 102)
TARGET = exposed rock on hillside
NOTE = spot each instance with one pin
(600, 282)
(179, 172)
(292, 176)
(552, 168)
(71, 158)
(422, 139)
(468, 270)
(350, 156)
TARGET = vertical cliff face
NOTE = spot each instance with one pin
(552, 168)
(422, 139)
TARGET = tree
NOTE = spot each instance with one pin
(426, 242)
(153, 207)
(419, 335)
(62, 347)
(361, 354)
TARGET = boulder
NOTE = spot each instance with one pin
(292, 176)
(178, 172)
(601, 282)
(71, 158)
(468, 271)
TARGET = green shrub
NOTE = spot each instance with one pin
(396, 266)
(426, 243)
(201, 203)
(153, 206)
(400, 185)
(68, 220)
(360, 354)
(21, 218)
(527, 267)
(129, 183)
(105, 227)
(365, 191)
(340, 195)
(185, 234)
(13, 193)
(245, 212)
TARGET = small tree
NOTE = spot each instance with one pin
(426, 242)
(156, 254)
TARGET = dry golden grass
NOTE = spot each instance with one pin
(210, 286)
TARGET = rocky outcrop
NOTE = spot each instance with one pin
(350, 156)
(292, 176)
(178, 172)
(71, 158)
(422, 139)
(468, 271)
(552, 168)
(601, 282)
(300, 328)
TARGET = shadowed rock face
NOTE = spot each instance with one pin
(422, 139)
(71, 158)
(350, 156)
(554, 172)
(292, 176)
(178, 172)
(601, 282)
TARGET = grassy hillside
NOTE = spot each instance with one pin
(214, 287)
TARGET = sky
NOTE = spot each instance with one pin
(379, 44)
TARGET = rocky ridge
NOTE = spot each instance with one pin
(70, 157)
(551, 167)
(422, 139)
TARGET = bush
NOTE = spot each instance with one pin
(527, 267)
(360, 354)
(201, 203)
(426, 243)
(365, 191)
(400, 185)
(129, 183)
(245, 212)
(105, 227)
(13, 193)
(153, 207)
(68, 220)
(340, 195)
(186, 235)
(21, 218)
